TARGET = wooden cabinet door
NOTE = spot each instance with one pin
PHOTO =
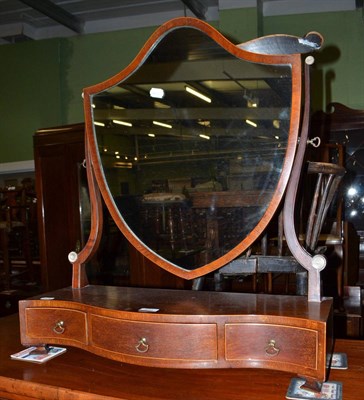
(58, 153)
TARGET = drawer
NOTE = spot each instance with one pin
(272, 343)
(173, 341)
(62, 324)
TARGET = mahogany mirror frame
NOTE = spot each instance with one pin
(98, 184)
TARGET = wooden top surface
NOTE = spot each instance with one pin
(190, 303)
(78, 375)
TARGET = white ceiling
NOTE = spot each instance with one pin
(40, 19)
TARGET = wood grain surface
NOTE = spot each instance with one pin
(81, 375)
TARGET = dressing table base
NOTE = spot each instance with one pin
(185, 329)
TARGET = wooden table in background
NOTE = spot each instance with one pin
(78, 375)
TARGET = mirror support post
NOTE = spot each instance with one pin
(79, 276)
(313, 264)
(79, 260)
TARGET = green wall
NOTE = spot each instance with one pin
(338, 74)
(42, 81)
(30, 95)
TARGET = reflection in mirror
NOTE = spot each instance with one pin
(192, 146)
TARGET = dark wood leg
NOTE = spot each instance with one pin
(312, 385)
(301, 283)
(198, 283)
(219, 282)
(41, 349)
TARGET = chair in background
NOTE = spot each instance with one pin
(317, 239)
(338, 235)
(272, 257)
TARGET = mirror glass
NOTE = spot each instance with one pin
(192, 146)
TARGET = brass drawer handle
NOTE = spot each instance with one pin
(59, 328)
(142, 346)
(271, 350)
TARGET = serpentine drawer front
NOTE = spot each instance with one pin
(188, 329)
(266, 344)
(56, 325)
(168, 341)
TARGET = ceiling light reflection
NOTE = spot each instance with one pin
(352, 192)
(251, 123)
(194, 92)
(162, 124)
(156, 93)
(118, 122)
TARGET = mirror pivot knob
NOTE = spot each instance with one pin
(72, 256)
(319, 262)
(309, 60)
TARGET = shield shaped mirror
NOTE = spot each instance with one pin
(192, 145)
